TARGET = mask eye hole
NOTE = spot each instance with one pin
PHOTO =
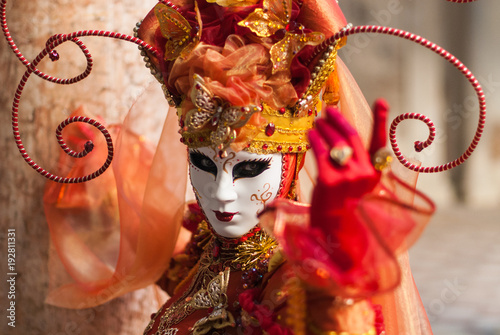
(203, 162)
(251, 168)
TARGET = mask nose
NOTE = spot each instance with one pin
(224, 189)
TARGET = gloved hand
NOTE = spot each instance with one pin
(341, 247)
(339, 187)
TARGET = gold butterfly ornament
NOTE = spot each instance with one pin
(274, 19)
(213, 110)
(214, 296)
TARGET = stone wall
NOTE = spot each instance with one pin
(117, 78)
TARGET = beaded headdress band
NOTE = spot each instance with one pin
(301, 41)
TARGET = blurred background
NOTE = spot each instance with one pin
(456, 263)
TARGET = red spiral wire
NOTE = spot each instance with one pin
(168, 3)
(419, 146)
(51, 44)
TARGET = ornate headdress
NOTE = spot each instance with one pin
(242, 73)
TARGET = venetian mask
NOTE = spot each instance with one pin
(233, 190)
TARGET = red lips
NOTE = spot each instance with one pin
(224, 217)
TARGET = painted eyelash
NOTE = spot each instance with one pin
(259, 160)
(196, 152)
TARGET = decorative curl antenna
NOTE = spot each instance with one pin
(419, 145)
(31, 67)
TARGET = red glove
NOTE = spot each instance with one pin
(343, 249)
(340, 186)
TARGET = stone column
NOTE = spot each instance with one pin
(113, 85)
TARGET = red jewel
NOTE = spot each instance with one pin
(270, 129)
(308, 147)
(201, 139)
(190, 140)
(279, 148)
(182, 140)
(198, 86)
(292, 26)
(181, 123)
(290, 148)
(280, 34)
(310, 112)
(299, 148)
(53, 55)
(282, 110)
(264, 146)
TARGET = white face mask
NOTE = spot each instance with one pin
(233, 190)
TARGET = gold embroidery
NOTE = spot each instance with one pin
(182, 307)
(215, 296)
(208, 289)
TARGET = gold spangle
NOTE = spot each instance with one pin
(382, 159)
(250, 252)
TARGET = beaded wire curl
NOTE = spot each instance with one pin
(58, 39)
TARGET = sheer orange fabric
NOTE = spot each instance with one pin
(117, 233)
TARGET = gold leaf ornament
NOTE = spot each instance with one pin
(283, 51)
(266, 21)
(273, 17)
